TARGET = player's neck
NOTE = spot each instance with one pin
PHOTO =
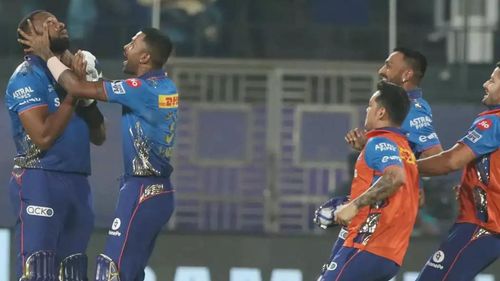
(409, 86)
(143, 69)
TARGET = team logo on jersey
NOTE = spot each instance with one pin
(134, 83)
(407, 155)
(484, 124)
(39, 211)
(117, 87)
(438, 257)
(168, 101)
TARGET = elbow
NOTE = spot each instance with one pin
(398, 180)
(43, 143)
(452, 166)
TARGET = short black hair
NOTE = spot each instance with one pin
(498, 64)
(159, 46)
(395, 101)
(415, 59)
(23, 24)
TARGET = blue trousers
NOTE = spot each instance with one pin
(54, 213)
(145, 205)
(351, 264)
(465, 253)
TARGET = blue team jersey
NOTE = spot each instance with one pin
(149, 117)
(32, 86)
(418, 124)
(483, 137)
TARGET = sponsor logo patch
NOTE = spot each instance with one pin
(39, 211)
(117, 87)
(438, 257)
(407, 155)
(429, 137)
(332, 266)
(484, 124)
(23, 93)
(116, 224)
(421, 122)
(168, 101)
(473, 136)
(386, 159)
(134, 83)
(383, 146)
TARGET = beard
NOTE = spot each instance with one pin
(59, 45)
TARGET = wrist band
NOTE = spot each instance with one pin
(56, 67)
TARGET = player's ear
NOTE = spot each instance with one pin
(145, 58)
(381, 112)
(407, 75)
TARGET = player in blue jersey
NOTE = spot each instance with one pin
(49, 188)
(406, 68)
(149, 114)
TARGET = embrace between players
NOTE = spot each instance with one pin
(51, 98)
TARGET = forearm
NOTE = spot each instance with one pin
(95, 121)
(384, 187)
(439, 164)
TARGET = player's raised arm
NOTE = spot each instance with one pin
(39, 44)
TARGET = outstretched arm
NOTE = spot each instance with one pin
(447, 161)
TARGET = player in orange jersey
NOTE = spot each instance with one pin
(384, 195)
(474, 240)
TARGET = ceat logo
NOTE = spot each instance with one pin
(134, 83)
(484, 124)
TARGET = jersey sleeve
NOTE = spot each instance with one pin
(381, 153)
(24, 93)
(483, 136)
(420, 129)
(125, 92)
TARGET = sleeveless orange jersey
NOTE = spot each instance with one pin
(480, 186)
(384, 228)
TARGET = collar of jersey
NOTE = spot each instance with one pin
(385, 129)
(415, 93)
(156, 73)
(492, 110)
(37, 61)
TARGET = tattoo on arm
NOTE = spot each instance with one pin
(384, 187)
